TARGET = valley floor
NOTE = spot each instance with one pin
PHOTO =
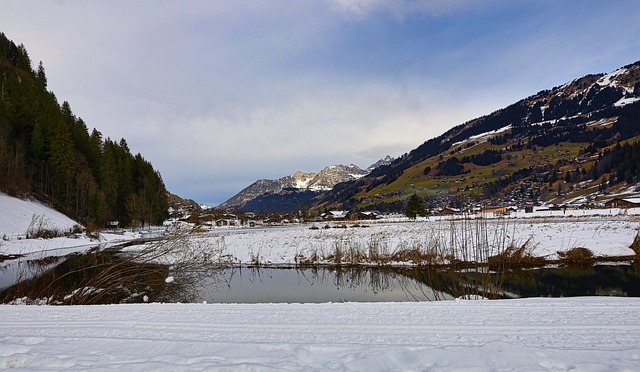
(592, 334)
(606, 233)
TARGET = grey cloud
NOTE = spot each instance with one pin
(217, 94)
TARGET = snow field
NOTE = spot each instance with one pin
(610, 236)
(535, 334)
(586, 334)
(16, 215)
(605, 232)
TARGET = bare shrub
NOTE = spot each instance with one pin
(516, 257)
(635, 245)
(165, 270)
(378, 250)
(39, 229)
(337, 253)
(577, 256)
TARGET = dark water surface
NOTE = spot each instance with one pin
(346, 284)
(313, 286)
(388, 284)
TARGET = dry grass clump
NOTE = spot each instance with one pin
(162, 271)
(417, 256)
(516, 257)
(39, 229)
(576, 256)
(635, 246)
(93, 278)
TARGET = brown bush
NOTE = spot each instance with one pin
(577, 256)
(636, 244)
(513, 258)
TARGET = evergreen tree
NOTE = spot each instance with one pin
(41, 75)
(47, 151)
(415, 207)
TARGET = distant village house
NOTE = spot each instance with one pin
(622, 203)
(335, 215)
(495, 210)
(365, 216)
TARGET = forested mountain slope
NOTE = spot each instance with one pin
(47, 151)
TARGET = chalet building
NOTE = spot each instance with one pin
(449, 211)
(365, 216)
(226, 222)
(113, 225)
(623, 203)
(335, 215)
(495, 210)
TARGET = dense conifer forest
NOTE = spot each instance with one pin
(46, 151)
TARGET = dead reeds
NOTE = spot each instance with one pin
(163, 270)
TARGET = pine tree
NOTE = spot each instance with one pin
(47, 151)
(415, 207)
(41, 75)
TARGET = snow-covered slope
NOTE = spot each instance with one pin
(16, 216)
(384, 161)
(334, 174)
(538, 334)
(577, 99)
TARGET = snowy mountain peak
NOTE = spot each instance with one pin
(324, 180)
(384, 161)
(591, 92)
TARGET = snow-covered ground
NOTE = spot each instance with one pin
(586, 334)
(581, 334)
(604, 232)
(17, 215)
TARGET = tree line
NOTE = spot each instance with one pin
(48, 152)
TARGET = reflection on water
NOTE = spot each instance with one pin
(14, 271)
(408, 284)
(599, 280)
(313, 286)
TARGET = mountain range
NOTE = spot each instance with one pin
(520, 154)
(292, 191)
(573, 143)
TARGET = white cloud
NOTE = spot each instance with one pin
(361, 9)
(219, 93)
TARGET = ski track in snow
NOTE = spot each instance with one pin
(528, 334)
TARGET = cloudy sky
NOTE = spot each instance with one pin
(217, 94)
